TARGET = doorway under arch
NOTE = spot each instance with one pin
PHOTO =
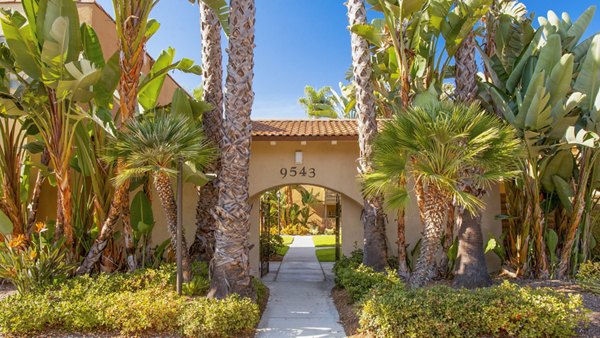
(299, 212)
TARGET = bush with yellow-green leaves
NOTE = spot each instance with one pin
(129, 304)
(387, 308)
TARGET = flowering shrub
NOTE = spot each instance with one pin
(35, 264)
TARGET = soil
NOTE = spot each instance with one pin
(591, 301)
(348, 317)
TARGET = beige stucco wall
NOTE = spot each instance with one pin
(335, 167)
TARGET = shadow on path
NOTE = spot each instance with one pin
(300, 303)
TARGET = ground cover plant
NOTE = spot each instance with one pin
(143, 302)
(388, 308)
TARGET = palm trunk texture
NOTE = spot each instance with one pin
(375, 244)
(231, 266)
(433, 206)
(167, 199)
(470, 269)
(208, 195)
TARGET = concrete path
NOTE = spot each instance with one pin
(300, 303)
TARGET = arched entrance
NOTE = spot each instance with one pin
(294, 212)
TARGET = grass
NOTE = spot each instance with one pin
(281, 251)
(287, 239)
(324, 240)
(326, 255)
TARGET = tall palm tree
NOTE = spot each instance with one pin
(375, 246)
(212, 72)
(231, 269)
(440, 146)
(471, 269)
(153, 145)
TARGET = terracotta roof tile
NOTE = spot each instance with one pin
(304, 128)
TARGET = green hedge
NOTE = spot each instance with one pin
(388, 309)
(131, 304)
(499, 311)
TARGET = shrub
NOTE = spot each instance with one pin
(588, 276)
(143, 302)
(499, 311)
(230, 317)
(357, 279)
(361, 280)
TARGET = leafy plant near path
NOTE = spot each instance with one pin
(140, 303)
(387, 308)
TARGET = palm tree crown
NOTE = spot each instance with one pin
(154, 142)
(441, 142)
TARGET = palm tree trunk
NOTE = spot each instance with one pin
(433, 206)
(232, 213)
(471, 268)
(167, 199)
(375, 245)
(204, 243)
(403, 270)
(114, 212)
(66, 206)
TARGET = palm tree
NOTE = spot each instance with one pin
(212, 71)
(153, 145)
(471, 269)
(375, 246)
(131, 17)
(318, 103)
(231, 262)
(440, 146)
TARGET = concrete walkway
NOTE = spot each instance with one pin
(300, 303)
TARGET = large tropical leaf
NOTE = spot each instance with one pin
(588, 81)
(142, 217)
(22, 44)
(50, 11)
(6, 226)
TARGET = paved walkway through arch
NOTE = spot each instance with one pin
(300, 303)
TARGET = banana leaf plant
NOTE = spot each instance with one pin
(414, 44)
(55, 81)
(548, 91)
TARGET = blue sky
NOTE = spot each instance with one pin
(298, 42)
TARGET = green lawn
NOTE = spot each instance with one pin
(287, 240)
(324, 240)
(326, 255)
(281, 251)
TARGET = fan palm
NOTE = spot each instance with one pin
(441, 147)
(152, 145)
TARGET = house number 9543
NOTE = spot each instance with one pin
(295, 171)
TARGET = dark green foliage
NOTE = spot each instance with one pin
(360, 280)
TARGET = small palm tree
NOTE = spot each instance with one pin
(441, 147)
(153, 144)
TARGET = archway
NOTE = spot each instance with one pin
(299, 212)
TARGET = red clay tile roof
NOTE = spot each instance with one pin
(296, 129)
